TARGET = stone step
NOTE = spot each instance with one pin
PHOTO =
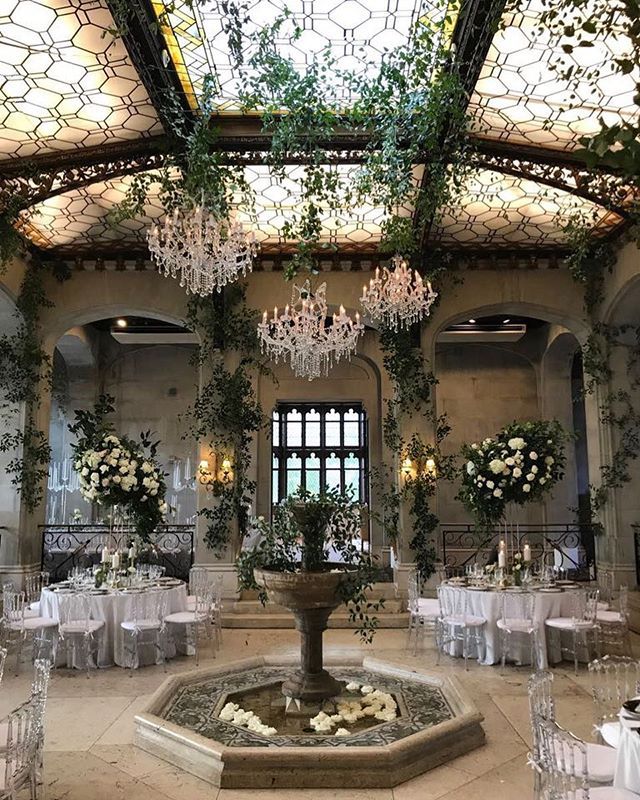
(634, 611)
(387, 590)
(270, 619)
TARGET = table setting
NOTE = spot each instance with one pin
(111, 592)
(627, 774)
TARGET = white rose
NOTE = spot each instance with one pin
(543, 481)
(471, 468)
(116, 479)
(510, 461)
(104, 468)
(517, 443)
(549, 460)
(163, 507)
(474, 446)
(533, 455)
(153, 492)
(366, 689)
(517, 472)
(490, 484)
(531, 476)
(497, 492)
(124, 470)
(85, 471)
(95, 477)
(106, 481)
(496, 466)
(146, 481)
(146, 467)
(526, 488)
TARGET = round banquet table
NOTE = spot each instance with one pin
(114, 607)
(488, 605)
(627, 774)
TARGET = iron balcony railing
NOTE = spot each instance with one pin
(569, 545)
(67, 546)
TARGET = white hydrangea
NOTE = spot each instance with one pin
(496, 466)
(517, 443)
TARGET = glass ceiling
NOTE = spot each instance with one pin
(495, 209)
(355, 32)
(520, 98)
(65, 81)
(78, 220)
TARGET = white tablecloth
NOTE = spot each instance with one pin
(114, 608)
(487, 604)
(627, 774)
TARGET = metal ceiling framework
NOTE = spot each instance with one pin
(56, 173)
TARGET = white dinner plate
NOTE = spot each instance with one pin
(549, 590)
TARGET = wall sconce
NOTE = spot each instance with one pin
(430, 467)
(407, 467)
(226, 471)
(205, 475)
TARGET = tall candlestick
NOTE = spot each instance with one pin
(526, 554)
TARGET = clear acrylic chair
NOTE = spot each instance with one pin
(22, 753)
(614, 679)
(614, 624)
(77, 630)
(215, 608)
(606, 586)
(145, 626)
(3, 660)
(198, 583)
(518, 618)
(457, 624)
(581, 623)
(195, 622)
(423, 613)
(33, 586)
(18, 628)
(569, 768)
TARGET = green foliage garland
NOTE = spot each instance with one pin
(25, 370)
(226, 412)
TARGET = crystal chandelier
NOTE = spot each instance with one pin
(203, 252)
(399, 297)
(303, 335)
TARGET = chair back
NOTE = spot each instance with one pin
(198, 579)
(218, 586)
(518, 606)
(148, 606)
(41, 676)
(24, 726)
(13, 604)
(584, 604)
(565, 763)
(614, 679)
(453, 603)
(606, 585)
(413, 594)
(33, 585)
(541, 709)
(75, 610)
(623, 602)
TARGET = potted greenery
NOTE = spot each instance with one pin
(290, 566)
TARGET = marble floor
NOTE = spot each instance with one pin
(89, 754)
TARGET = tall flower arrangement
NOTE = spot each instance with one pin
(520, 464)
(118, 471)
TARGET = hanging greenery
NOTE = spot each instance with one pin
(25, 374)
(226, 413)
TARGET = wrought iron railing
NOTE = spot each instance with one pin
(67, 546)
(570, 545)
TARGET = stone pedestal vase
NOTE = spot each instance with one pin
(311, 597)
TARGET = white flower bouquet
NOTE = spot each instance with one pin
(521, 464)
(118, 471)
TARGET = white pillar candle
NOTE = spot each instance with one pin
(115, 561)
(502, 559)
(105, 554)
(527, 552)
(132, 553)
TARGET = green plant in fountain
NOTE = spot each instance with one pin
(305, 528)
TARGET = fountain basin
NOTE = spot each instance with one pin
(436, 722)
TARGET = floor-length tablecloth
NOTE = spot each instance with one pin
(114, 608)
(487, 604)
(627, 774)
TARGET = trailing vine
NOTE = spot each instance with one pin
(24, 369)
(226, 412)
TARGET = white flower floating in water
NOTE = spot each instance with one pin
(353, 687)
(374, 703)
(245, 719)
(342, 732)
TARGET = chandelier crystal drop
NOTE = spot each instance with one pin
(398, 297)
(304, 336)
(203, 252)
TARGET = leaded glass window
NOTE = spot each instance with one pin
(319, 446)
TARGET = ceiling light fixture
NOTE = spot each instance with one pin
(398, 298)
(121, 322)
(506, 321)
(304, 336)
(203, 252)
(472, 322)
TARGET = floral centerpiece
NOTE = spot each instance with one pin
(520, 464)
(117, 470)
